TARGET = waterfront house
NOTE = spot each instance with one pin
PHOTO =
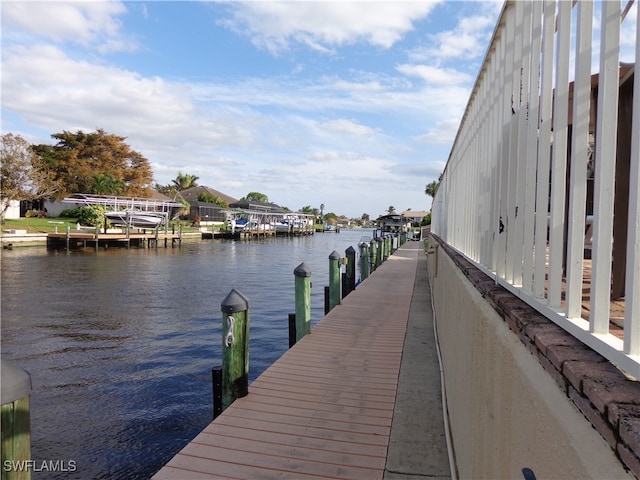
(206, 211)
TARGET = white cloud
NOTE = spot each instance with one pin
(348, 127)
(628, 35)
(324, 25)
(435, 76)
(443, 133)
(55, 93)
(81, 23)
(467, 41)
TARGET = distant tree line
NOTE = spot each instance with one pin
(98, 163)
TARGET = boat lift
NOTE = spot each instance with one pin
(129, 211)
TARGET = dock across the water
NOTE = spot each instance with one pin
(359, 397)
(83, 239)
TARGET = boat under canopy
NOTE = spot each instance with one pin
(136, 218)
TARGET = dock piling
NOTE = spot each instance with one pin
(364, 260)
(379, 251)
(235, 347)
(350, 271)
(326, 300)
(334, 279)
(303, 300)
(216, 380)
(292, 330)
(16, 427)
(373, 258)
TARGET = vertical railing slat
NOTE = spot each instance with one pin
(524, 25)
(559, 160)
(579, 159)
(497, 152)
(493, 161)
(632, 284)
(605, 164)
(504, 264)
(533, 100)
(514, 33)
(544, 149)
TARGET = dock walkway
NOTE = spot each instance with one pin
(358, 398)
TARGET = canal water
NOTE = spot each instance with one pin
(120, 343)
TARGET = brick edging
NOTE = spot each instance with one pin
(604, 395)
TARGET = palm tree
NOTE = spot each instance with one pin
(185, 181)
(106, 184)
(432, 188)
(391, 209)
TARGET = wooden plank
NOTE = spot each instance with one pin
(325, 408)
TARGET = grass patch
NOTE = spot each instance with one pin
(39, 225)
(47, 225)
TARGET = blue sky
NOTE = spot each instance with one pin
(353, 105)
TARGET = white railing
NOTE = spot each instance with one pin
(533, 167)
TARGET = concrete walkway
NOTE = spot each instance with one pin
(418, 447)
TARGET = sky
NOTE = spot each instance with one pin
(350, 105)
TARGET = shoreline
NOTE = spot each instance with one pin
(10, 241)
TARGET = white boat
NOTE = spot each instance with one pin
(237, 224)
(136, 218)
(281, 226)
(288, 224)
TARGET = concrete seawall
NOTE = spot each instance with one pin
(507, 410)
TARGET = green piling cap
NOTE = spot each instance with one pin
(16, 382)
(350, 250)
(234, 302)
(334, 256)
(302, 270)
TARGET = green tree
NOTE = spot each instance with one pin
(185, 181)
(256, 197)
(391, 210)
(106, 184)
(22, 174)
(79, 157)
(92, 216)
(431, 188)
(331, 218)
(365, 217)
(168, 190)
(209, 198)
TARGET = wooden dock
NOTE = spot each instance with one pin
(249, 234)
(85, 239)
(325, 408)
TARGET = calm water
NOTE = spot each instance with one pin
(120, 343)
